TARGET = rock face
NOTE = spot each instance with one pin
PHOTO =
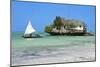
(61, 26)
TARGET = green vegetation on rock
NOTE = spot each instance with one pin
(48, 29)
(60, 22)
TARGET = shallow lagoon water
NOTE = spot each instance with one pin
(47, 40)
(52, 49)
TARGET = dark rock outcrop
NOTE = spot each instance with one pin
(73, 27)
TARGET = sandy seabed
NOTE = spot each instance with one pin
(46, 55)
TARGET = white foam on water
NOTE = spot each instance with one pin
(29, 39)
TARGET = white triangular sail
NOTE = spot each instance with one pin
(29, 29)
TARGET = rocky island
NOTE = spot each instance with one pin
(72, 27)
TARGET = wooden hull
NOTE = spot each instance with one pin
(36, 36)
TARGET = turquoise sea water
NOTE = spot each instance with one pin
(47, 40)
(51, 49)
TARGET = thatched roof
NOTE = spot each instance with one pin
(71, 21)
(59, 21)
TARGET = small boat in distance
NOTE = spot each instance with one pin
(29, 32)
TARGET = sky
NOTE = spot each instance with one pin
(43, 14)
